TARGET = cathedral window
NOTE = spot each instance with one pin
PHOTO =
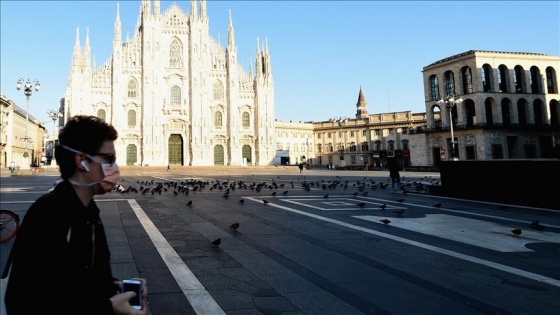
(175, 53)
(218, 120)
(101, 114)
(245, 120)
(175, 95)
(132, 88)
(131, 118)
(218, 90)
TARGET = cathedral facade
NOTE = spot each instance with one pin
(175, 95)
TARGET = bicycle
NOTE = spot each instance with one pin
(9, 224)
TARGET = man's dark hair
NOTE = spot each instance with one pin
(81, 133)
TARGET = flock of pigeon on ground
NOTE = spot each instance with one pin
(362, 188)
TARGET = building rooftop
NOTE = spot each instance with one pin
(472, 52)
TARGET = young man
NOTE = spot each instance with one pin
(60, 260)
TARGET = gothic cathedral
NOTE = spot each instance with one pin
(175, 95)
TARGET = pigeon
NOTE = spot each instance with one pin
(265, 201)
(437, 205)
(355, 194)
(516, 232)
(326, 196)
(234, 226)
(385, 221)
(537, 225)
(383, 206)
(241, 200)
(285, 192)
(361, 204)
(217, 242)
(400, 200)
(273, 193)
(189, 203)
(399, 211)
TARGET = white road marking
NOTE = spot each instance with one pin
(337, 204)
(500, 267)
(201, 301)
(479, 233)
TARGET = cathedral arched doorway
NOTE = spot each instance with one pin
(131, 154)
(246, 153)
(175, 150)
(218, 155)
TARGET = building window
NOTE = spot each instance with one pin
(218, 90)
(319, 148)
(331, 148)
(131, 118)
(404, 144)
(497, 151)
(485, 75)
(364, 132)
(175, 96)
(175, 53)
(101, 114)
(390, 145)
(519, 78)
(318, 136)
(218, 120)
(376, 132)
(245, 120)
(449, 83)
(502, 78)
(467, 80)
(132, 88)
(434, 88)
(365, 146)
(329, 135)
(550, 80)
(351, 133)
(353, 147)
(535, 75)
(353, 159)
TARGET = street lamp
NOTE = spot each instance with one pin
(450, 101)
(54, 115)
(27, 90)
(341, 121)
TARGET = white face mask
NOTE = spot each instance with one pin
(111, 173)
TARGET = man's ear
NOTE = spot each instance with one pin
(80, 163)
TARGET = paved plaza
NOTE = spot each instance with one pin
(316, 243)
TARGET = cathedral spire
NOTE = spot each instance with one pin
(361, 105)
(76, 58)
(87, 49)
(203, 14)
(231, 32)
(193, 10)
(258, 66)
(156, 7)
(146, 8)
(117, 37)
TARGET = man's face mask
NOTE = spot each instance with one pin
(111, 171)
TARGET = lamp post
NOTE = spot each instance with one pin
(450, 101)
(27, 90)
(54, 115)
(341, 121)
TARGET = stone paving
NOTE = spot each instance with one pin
(280, 261)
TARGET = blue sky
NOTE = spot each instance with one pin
(321, 51)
